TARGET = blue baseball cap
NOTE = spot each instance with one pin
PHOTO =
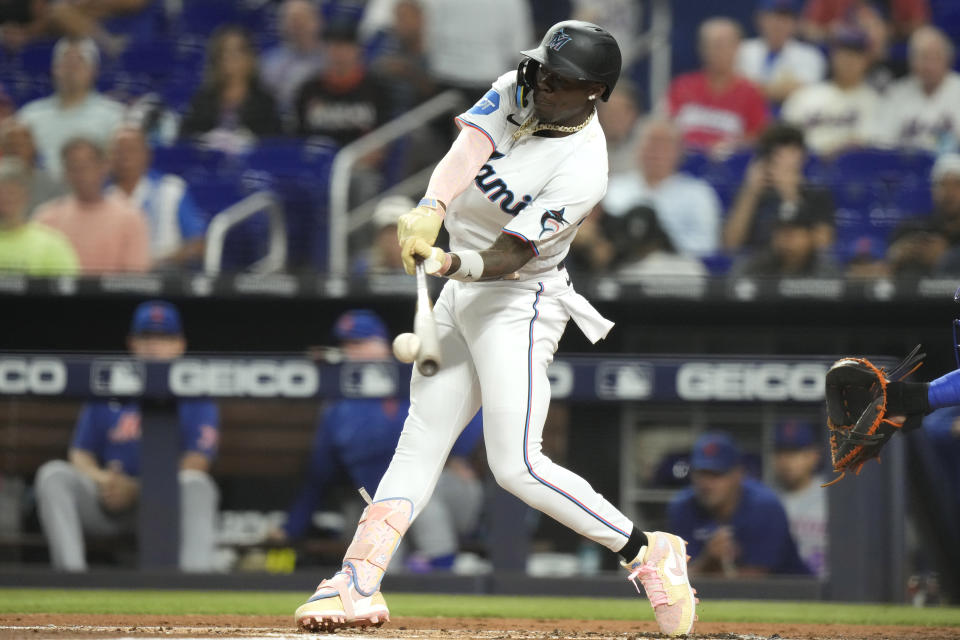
(850, 37)
(715, 452)
(779, 6)
(359, 324)
(156, 316)
(793, 434)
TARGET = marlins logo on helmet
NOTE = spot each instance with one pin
(559, 39)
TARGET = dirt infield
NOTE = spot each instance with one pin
(42, 626)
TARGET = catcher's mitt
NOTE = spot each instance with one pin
(861, 399)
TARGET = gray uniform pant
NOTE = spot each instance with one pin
(452, 511)
(69, 507)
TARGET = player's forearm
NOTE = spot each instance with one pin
(457, 169)
(505, 257)
(86, 464)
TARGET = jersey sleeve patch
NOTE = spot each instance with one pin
(552, 221)
(489, 103)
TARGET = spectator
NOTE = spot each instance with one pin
(921, 109)
(397, 55)
(843, 111)
(107, 233)
(16, 141)
(298, 57)
(792, 253)
(469, 44)
(823, 17)
(776, 61)
(345, 100)
(619, 117)
(96, 491)
(359, 436)
(774, 190)
(21, 22)
(717, 109)
(945, 193)
(28, 247)
(931, 244)
(646, 252)
(733, 525)
(688, 208)
(75, 109)
(231, 107)
(383, 257)
(177, 225)
(796, 463)
(918, 249)
(86, 19)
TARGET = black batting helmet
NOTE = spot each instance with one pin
(573, 49)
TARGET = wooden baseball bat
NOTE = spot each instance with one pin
(425, 326)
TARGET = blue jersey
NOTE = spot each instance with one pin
(759, 524)
(357, 438)
(110, 431)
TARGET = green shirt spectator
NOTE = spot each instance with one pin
(28, 247)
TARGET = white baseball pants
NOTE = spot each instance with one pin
(496, 341)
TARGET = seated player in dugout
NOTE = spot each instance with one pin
(96, 491)
(528, 166)
(356, 438)
(735, 526)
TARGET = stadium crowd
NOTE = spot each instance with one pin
(823, 146)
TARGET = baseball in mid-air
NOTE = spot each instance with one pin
(406, 346)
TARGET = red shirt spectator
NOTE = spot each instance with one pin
(827, 12)
(709, 116)
(716, 108)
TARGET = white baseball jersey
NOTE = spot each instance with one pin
(833, 118)
(797, 60)
(498, 337)
(536, 188)
(912, 118)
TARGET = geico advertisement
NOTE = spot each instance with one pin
(255, 378)
(766, 381)
(41, 376)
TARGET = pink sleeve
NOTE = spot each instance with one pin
(457, 169)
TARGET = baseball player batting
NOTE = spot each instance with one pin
(529, 164)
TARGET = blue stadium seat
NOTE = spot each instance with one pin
(202, 17)
(35, 58)
(191, 161)
(154, 58)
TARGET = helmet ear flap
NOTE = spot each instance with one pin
(526, 80)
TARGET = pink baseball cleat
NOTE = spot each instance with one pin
(661, 567)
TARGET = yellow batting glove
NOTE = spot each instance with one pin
(416, 250)
(423, 221)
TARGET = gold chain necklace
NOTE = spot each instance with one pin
(531, 126)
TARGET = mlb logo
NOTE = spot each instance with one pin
(624, 380)
(368, 379)
(117, 377)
